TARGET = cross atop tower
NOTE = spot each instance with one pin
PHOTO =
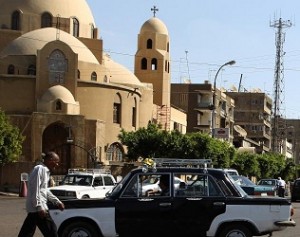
(154, 9)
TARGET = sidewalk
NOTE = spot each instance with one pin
(9, 194)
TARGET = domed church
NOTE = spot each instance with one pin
(66, 94)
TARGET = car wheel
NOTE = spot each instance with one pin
(79, 228)
(85, 196)
(235, 230)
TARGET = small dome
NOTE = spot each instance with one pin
(154, 25)
(58, 92)
(29, 43)
(120, 74)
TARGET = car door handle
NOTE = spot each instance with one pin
(219, 203)
(145, 199)
(194, 199)
(165, 204)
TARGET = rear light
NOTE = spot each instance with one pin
(292, 211)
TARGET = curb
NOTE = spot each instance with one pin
(9, 194)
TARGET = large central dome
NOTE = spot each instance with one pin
(65, 8)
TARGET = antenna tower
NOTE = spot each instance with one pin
(279, 126)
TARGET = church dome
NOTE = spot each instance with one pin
(65, 9)
(58, 92)
(154, 25)
(120, 74)
(29, 43)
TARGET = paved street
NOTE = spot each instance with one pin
(13, 214)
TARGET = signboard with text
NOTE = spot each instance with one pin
(221, 133)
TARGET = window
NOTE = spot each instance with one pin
(149, 44)
(133, 123)
(144, 64)
(75, 27)
(168, 47)
(94, 76)
(11, 69)
(15, 20)
(117, 109)
(114, 153)
(57, 66)
(31, 70)
(117, 113)
(196, 185)
(154, 64)
(78, 74)
(46, 20)
(58, 105)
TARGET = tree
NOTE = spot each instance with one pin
(10, 141)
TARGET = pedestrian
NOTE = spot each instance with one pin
(37, 197)
(281, 187)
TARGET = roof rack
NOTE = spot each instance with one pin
(182, 162)
(89, 171)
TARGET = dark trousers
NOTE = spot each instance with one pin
(281, 191)
(46, 226)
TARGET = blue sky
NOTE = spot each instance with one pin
(206, 34)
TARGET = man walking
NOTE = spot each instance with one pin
(281, 187)
(37, 197)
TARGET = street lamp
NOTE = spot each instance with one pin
(214, 96)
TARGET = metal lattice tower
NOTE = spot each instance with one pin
(278, 127)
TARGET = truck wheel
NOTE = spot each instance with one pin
(235, 230)
(79, 228)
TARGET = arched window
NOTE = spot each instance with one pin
(31, 70)
(154, 64)
(58, 105)
(117, 109)
(166, 65)
(46, 20)
(168, 47)
(78, 74)
(94, 76)
(11, 69)
(114, 153)
(149, 44)
(75, 27)
(57, 66)
(15, 20)
(144, 64)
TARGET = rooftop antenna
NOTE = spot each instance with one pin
(187, 64)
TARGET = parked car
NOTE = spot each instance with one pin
(252, 189)
(210, 204)
(271, 182)
(295, 195)
(84, 183)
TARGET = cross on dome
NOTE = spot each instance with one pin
(154, 9)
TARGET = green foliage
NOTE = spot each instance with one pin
(10, 141)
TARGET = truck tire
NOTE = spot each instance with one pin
(235, 230)
(79, 228)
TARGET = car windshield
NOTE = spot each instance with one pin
(237, 185)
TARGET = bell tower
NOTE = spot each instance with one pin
(152, 59)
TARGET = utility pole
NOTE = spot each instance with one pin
(278, 127)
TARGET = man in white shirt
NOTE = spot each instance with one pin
(281, 187)
(38, 195)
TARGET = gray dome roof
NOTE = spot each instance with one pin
(66, 8)
(154, 25)
(29, 43)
